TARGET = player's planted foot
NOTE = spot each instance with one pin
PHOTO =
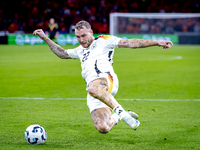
(126, 117)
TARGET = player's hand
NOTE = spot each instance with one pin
(40, 33)
(165, 44)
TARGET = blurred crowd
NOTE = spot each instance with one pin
(162, 26)
(26, 16)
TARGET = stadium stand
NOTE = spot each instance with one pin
(25, 16)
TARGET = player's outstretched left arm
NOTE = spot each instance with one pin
(59, 51)
(141, 43)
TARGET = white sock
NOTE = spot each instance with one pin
(116, 118)
(120, 111)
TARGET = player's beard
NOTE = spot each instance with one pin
(87, 44)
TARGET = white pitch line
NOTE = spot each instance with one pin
(154, 59)
(128, 99)
(160, 99)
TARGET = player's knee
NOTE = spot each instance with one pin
(93, 92)
(96, 92)
(103, 128)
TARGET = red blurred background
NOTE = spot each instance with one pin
(26, 16)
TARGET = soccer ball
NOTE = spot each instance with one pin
(35, 134)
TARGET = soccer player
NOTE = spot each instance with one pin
(96, 56)
(53, 27)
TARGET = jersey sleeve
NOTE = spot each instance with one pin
(112, 41)
(73, 53)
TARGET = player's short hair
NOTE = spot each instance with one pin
(82, 23)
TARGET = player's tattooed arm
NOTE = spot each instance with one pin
(136, 43)
(141, 43)
(59, 51)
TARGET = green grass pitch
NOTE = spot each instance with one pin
(162, 86)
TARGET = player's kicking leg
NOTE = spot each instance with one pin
(99, 89)
(126, 117)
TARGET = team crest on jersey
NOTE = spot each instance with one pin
(94, 46)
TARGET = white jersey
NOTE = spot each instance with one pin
(97, 58)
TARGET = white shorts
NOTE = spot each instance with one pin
(113, 84)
